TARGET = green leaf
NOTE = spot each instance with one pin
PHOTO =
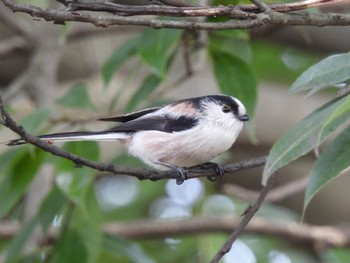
(149, 84)
(124, 251)
(77, 97)
(34, 120)
(51, 207)
(88, 223)
(235, 78)
(119, 56)
(157, 47)
(70, 248)
(336, 255)
(307, 134)
(19, 241)
(20, 174)
(74, 182)
(332, 70)
(232, 42)
(333, 160)
(336, 119)
(278, 59)
(208, 245)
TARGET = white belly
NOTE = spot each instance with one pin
(182, 149)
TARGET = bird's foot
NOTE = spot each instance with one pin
(182, 175)
(218, 170)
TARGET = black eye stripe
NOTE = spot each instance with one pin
(227, 101)
(221, 100)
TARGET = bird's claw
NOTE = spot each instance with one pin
(182, 176)
(218, 170)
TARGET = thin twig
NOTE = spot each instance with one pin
(186, 53)
(262, 6)
(16, 25)
(277, 194)
(12, 45)
(141, 174)
(248, 215)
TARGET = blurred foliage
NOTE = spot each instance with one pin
(77, 97)
(72, 206)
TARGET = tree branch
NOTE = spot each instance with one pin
(141, 174)
(186, 10)
(248, 12)
(247, 216)
(314, 236)
(16, 25)
(317, 236)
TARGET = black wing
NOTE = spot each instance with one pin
(157, 123)
(130, 116)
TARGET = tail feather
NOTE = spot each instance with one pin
(76, 136)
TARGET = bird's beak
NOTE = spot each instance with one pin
(244, 117)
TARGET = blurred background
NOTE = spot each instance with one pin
(63, 77)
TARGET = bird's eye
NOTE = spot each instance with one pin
(226, 109)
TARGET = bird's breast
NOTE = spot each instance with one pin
(185, 148)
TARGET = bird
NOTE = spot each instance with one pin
(186, 133)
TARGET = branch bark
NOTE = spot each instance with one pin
(188, 10)
(250, 14)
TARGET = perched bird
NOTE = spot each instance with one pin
(183, 134)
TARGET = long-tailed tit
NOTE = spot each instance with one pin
(182, 134)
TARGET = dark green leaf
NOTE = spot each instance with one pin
(235, 78)
(119, 56)
(75, 181)
(332, 70)
(77, 97)
(157, 47)
(21, 172)
(33, 121)
(224, 2)
(8, 157)
(334, 159)
(307, 134)
(149, 84)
